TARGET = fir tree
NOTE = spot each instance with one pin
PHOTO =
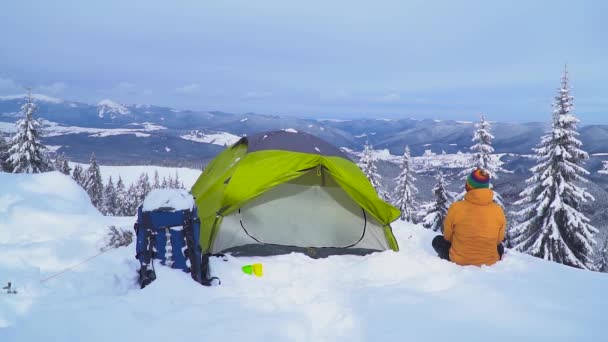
(122, 205)
(367, 163)
(143, 188)
(164, 184)
(27, 154)
(4, 147)
(435, 211)
(406, 189)
(110, 199)
(602, 261)
(58, 164)
(93, 183)
(176, 181)
(156, 184)
(65, 168)
(482, 151)
(482, 156)
(131, 200)
(78, 175)
(551, 225)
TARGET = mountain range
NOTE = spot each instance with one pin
(163, 135)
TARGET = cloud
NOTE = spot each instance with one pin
(7, 85)
(387, 98)
(188, 90)
(54, 88)
(339, 95)
(128, 88)
(256, 95)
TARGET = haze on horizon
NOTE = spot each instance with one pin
(339, 59)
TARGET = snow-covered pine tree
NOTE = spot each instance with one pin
(156, 184)
(602, 260)
(78, 175)
(405, 191)
(93, 183)
(132, 200)
(122, 207)
(143, 188)
(110, 199)
(551, 225)
(435, 211)
(65, 168)
(482, 155)
(482, 151)
(367, 164)
(164, 184)
(176, 181)
(58, 163)
(27, 154)
(4, 165)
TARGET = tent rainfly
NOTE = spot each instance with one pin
(285, 191)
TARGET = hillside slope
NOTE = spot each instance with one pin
(47, 224)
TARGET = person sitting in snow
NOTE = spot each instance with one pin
(474, 228)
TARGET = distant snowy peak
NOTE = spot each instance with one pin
(111, 108)
(216, 138)
(36, 97)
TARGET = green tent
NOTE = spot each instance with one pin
(285, 191)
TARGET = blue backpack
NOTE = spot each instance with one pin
(172, 237)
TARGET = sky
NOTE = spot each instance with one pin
(314, 58)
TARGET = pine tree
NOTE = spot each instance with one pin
(164, 184)
(65, 168)
(482, 156)
(27, 153)
(551, 225)
(122, 205)
(132, 200)
(93, 183)
(176, 181)
(435, 211)
(4, 147)
(602, 261)
(110, 199)
(78, 175)
(156, 184)
(58, 164)
(143, 188)
(406, 189)
(367, 163)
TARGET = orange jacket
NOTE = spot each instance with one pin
(475, 226)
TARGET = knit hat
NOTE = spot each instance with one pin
(477, 179)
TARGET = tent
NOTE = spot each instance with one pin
(284, 191)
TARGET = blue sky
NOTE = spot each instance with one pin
(314, 58)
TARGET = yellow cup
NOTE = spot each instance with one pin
(255, 269)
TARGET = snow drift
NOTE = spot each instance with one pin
(48, 224)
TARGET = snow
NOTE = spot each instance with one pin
(38, 97)
(290, 130)
(217, 138)
(53, 129)
(464, 122)
(7, 127)
(333, 120)
(130, 174)
(163, 199)
(408, 295)
(110, 107)
(243, 120)
(428, 161)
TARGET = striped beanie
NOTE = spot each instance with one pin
(478, 179)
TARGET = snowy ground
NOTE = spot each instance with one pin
(47, 224)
